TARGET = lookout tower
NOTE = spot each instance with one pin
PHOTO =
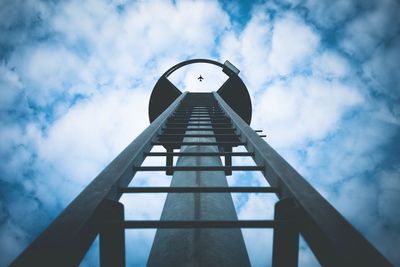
(198, 224)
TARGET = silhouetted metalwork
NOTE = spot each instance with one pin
(233, 91)
(227, 114)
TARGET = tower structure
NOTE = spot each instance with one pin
(198, 225)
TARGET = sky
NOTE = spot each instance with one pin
(76, 77)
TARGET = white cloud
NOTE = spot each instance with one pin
(124, 42)
(303, 109)
(258, 207)
(259, 246)
(331, 65)
(373, 202)
(10, 87)
(18, 16)
(293, 42)
(383, 68)
(306, 257)
(92, 132)
(378, 24)
(185, 79)
(17, 140)
(330, 13)
(95, 50)
(389, 197)
(13, 238)
(249, 49)
(49, 71)
(269, 48)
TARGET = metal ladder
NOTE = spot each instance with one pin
(300, 209)
(194, 109)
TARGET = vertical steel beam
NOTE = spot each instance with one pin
(286, 236)
(169, 161)
(198, 247)
(69, 236)
(112, 235)
(228, 160)
(334, 241)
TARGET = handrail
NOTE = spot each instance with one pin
(69, 236)
(334, 241)
(191, 61)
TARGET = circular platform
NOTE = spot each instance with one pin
(233, 91)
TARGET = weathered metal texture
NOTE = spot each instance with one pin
(198, 247)
(66, 240)
(334, 241)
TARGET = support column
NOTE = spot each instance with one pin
(169, 162)
(112, 235)
(286, 237)
(199, 247)
(228, 160)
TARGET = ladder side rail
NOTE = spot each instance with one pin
(334, 241)
(67, 239)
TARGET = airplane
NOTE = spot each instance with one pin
(200, 78)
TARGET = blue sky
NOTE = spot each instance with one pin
(75, 79)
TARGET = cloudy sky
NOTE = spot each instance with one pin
(75, 79)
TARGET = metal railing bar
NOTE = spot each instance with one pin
(206, 154)
(190, 119)
(333, 240)
(67, 239)
(200, 113)
(198, 116)
(197, 124)
(197, 129)
(203, 224)
(198, 135)
(237, 189)
(199, 168)
(198, 143)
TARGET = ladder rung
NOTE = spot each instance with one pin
(198, 110)
(198, 135)
(190, 120)
(196, 129)
(194, 108)
(236, 189)
(199, 168)
(198, 143)
(197, 154)
(198, 124)
(184, 108)
(196, 119)
(200, 113)
(204, 224)
(198, 116)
